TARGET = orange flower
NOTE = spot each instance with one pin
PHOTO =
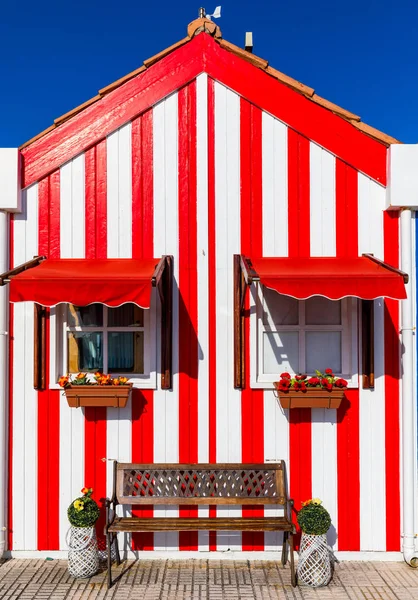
(84, 490)
(63, 380)
(105, 380)
(123, 380)
(115, 382)
(80, 376)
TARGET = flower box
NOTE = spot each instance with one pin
(311, 398)
(115, 396)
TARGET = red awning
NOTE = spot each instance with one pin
(110, 281)
(335, 278)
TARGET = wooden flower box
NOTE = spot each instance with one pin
(312, 398)
(115, 396)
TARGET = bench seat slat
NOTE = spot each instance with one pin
(136, 525)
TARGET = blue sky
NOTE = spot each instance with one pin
(362, 55)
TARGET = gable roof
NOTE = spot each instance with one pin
(205, 25)
(135, 92)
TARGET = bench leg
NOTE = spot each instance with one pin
(117, 549)
(109, 560)
(284, 548)
(292, 561)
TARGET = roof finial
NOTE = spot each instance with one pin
(202, 13)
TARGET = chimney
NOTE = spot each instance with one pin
(249, 41)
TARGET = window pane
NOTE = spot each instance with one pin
(321, 311)
(126, 316)
(323, 351)
(85, 351)
(281, 352)
(126, 352)
(284, 310)
(85, 316)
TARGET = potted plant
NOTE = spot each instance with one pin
(314, 565)
(323, 390)
(99, 389)
(83, 557)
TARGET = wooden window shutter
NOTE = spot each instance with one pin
(239, 362)
(39, 358)
(166, 295)
(367, 343)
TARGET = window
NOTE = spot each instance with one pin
(300, 336)
(112, 340)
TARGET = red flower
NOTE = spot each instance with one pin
(298, 377)
(303, 387)
(341, 383)
(313, 381)
(324, 382)
(297, 385)
(328, 371)
(285, 376)
(283, 386)
(329, 386)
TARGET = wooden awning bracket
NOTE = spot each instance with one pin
(158, 271)
(249, 275)
(386, 266)
(34, 262)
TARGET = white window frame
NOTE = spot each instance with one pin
(348, 327)
(58, 346)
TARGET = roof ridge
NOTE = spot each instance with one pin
(204, 25)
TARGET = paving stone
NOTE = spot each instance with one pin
(204, 580)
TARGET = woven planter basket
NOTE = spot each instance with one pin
(314, 565)
(83, 556)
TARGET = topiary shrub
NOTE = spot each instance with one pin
(313, 518)
(83, 512)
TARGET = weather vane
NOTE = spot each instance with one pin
(216, 13)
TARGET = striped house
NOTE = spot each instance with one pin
(203, 153)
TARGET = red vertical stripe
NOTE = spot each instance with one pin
(188, 347)
(392, 400)
(298, 192)
(212, 288)
(101, 200)
(252, 405)
(142, 247)
(48, 400)
(300, 432)
(10, 440)
(96, 242)
(348, 426)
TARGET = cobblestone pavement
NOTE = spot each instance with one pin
(205, 579)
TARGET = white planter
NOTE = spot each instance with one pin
(83, 556)
(314, 565)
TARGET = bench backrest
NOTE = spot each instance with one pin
(200, 483)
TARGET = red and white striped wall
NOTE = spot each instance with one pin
(205, 174)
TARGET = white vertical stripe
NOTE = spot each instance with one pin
(72, 216)
(227, 226)
(324, 464)
(25, 398)
(275, 243)
(202, 285)
(72, 245)
(274, 172)
(322, 202)
(323, 243)
(371, 204)
(276, 448)
(119, 193)
(119, 245)
(166, 240)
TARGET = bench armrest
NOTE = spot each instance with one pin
(110, 512)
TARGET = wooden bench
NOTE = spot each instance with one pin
(199, 484)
